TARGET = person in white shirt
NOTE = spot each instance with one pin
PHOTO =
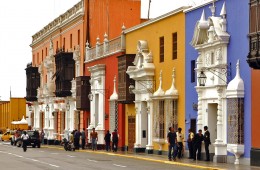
(25, 138)
(180, 139)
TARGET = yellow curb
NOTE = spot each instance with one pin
(141, 158)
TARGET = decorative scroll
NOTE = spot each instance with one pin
(235, 121)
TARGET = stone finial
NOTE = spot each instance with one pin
(203, 23)
(123, 27)
(223, 12)
(105, 36)
(98, 41)
(172, 90)
(160, 91)
(87, 44)
(114, 96)
(238, 69)
(213, 8)
(203, 18)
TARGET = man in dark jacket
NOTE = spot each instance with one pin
(172, 142)
(197, 140)
(115, 140)
(207, 142)
(107, 139)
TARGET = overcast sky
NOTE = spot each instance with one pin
(22, 19)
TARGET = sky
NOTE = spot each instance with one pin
(22, 19)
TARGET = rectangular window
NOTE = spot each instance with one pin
(193, 72)
(78, 37)
(57, 46)
(212, 58)
(63, 44)
(161, 119)
(161, 49)
(37, 58)
(174, 46)
(70, 41)
(46, 52)
(42, 56)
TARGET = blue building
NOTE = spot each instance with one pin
(218, 80)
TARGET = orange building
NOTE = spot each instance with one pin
(57, 79)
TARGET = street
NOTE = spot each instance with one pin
(13, 157)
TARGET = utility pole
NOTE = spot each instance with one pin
(149, 8)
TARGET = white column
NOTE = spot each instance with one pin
(149, 146)
(219, 118)
(138, 125)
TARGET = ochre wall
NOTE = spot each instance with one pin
(151, 33)
(12, 110)
(255, 108)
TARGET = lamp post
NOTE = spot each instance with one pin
(202, 78)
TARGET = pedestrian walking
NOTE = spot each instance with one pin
(25, 138)
(172, 140)
(94, 139)
(190, 143)
(107, 139)
(207, 142)
(42, 136)
(83, 139)
(115, 138)
(198, 138)
(180, 139)
(76, 138)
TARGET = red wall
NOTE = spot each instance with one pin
(255, 108)
(111, 72)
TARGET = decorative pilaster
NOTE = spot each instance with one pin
(199, 118)
(219, 117)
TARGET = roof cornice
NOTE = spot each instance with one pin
(178, 10)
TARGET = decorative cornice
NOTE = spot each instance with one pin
(181, 9)
(69, 16)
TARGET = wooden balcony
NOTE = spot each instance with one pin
(82, 91)
(32, 82)
(65, 72)
(123, 79)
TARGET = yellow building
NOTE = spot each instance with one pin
(12, 110)
(159, 74)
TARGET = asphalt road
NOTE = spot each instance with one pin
(12, 157)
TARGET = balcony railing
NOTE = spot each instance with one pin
(105, 49)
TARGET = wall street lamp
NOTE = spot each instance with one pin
(131, 88)
(202, 79)
(90, 96)
(47, 108)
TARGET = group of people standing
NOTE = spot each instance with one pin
(176, 139)
(195, 142)
(108, 138)
(75, 137)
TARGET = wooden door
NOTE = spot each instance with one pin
(131, 133)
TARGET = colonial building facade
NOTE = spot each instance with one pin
(159, 77)
(61, 75)
(217, 102)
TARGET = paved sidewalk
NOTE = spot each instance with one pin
(163, 159)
